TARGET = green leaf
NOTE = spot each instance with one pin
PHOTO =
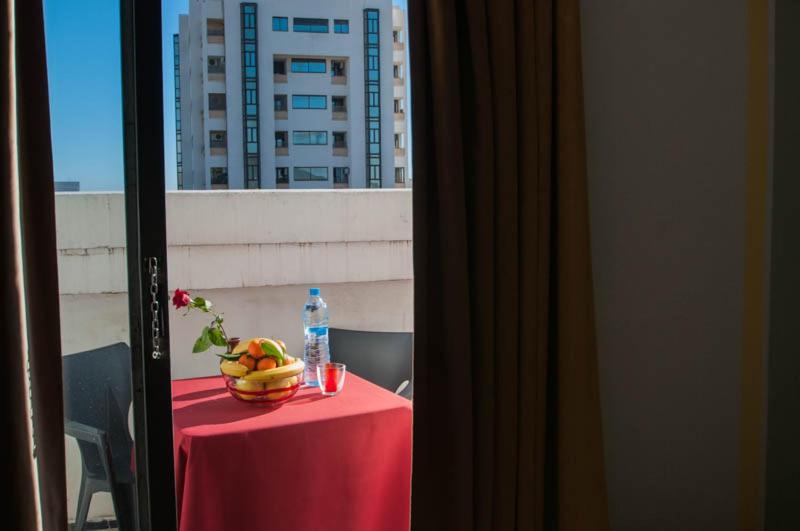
(202, 304)
(216, 337)
(272, 350)
(203, 342)
(230, 357)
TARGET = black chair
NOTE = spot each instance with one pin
(383, 358)
(97, 395)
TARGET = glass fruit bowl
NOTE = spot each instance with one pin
(260, 371)
(270, 393)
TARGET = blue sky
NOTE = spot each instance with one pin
(83, 67)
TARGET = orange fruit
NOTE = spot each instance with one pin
(248, 362)
(254, 348)
(266, 363)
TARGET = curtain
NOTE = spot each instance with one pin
(507, 429)
(30, 328)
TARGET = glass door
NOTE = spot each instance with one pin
(104, 75)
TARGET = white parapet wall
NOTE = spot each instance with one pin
(235, 239)
(254, 253)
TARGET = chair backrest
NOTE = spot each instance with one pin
(97, 392)
(384, 358)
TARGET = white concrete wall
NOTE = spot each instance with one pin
(254, 254)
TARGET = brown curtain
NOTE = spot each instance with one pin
(30, 280)
(507, 431)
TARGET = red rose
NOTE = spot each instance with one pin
(181, 298)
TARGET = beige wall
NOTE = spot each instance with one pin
(665, 91)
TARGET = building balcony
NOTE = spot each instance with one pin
(215, 31)
(399, 152)
(361, 256)
(281, 114)
(398, 81)
(400, 116)
(339, 112)
(338, 80)
(340, 149)
(279, 78)
(282, 151)
(399, 46)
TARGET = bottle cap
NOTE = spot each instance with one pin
(314, 292)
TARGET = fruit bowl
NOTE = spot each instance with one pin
(272, 393)
(261, 372)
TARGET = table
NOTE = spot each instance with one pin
(317, 463)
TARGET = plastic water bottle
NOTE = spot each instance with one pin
(315, 325)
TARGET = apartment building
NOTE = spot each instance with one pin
(400, 102)
(302, 94)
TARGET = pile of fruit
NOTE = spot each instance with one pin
(261, 370)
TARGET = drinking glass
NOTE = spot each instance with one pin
(331, 378)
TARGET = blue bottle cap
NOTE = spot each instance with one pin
(314, 292)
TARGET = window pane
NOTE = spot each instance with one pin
(309, 66)
(280, 24)
(311, 25)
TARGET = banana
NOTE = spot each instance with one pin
(248, 387)
(280, 384)
(282, 345)
(241, 348)
(233, 368)
(277, 373)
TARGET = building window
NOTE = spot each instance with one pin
(280, 102)
(399, 175)
(337, 68)
(252, 172)
(308, 66)
(339, 103)
(339, 139)
(216, 64)
(396, 36)
(372, 97)
(310, 25)
(310, 173)
(280, 24)
(397, 71)
(310, 138)
(216, 101)
(282, 175)
(341, 175)
(281, 139)
(398, 140)
(341, 26)
(250, 99)
(279, 66)
(301, 101)
(219, 177)
(218, 139)
(176, 65)
(215, 27)
(398, 105)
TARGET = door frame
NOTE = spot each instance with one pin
(145, 215)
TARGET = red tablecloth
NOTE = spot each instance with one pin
(317, 463)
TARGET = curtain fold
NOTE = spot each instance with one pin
(507, 431)
(30, 285)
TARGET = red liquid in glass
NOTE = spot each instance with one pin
(331, 379)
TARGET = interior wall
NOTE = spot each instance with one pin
(782, 481)
(665, 89)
